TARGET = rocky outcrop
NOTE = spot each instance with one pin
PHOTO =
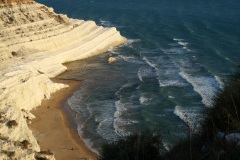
(34, 43)
(111, 60)
(12, 2)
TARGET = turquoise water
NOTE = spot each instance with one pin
(178, 55)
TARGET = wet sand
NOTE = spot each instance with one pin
(54, 131)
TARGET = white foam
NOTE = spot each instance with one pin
(171, 83)
(105, 23)
(113, 50)
(149, 62)
(190, 116)
(143, 99)
(140, 77)
(76, 103)
(127, 85)
(207, 87)
(166, 145)
(130, 42)
(105, 109)
(184, 44)
(171, 97)
(119, 124)
(131, 59)
(105, 129)
(119, 121)
(87, 141)
(177, 39)
(120, 107)
(218, 79)
(167, 76)
(145, 72)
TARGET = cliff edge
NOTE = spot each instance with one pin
(34, 43)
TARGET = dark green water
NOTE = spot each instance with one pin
(177, 57)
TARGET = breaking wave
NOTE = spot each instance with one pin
(206, 86)
(191, 116)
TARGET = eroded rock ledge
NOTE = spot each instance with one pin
(34, 43)
(12, 2)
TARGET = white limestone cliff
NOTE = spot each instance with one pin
(34, 43)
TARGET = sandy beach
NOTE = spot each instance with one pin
(54, 131)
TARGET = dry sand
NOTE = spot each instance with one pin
(54, 131)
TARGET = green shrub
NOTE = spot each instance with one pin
(185, 150)
(134, 147)
(225, 114)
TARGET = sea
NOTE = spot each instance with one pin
(178, 55)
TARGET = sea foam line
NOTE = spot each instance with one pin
(130, 43)
(183, 43)
(219, 80)
(191, 116)
(207, 87)
(145, 72)
(86, 141)
(167, 78)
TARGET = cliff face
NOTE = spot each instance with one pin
(12, 2)
(34, 43)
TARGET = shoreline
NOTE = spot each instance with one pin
(53, 128)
